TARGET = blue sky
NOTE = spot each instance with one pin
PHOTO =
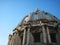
(13, 11)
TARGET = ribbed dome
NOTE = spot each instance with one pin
(39, 15)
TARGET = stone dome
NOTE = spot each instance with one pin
(39, 15)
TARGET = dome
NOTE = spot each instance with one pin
(39, 15)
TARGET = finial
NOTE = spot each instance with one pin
(37, 10)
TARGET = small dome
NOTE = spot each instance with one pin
(39, 15)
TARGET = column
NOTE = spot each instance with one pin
(48, 34)
(57, 38)
(28, 34)
(44, 34)
(41, 37)
(24, 35)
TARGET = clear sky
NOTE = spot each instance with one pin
(13, 11)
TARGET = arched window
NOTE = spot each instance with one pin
(36, 37)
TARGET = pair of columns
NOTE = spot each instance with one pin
(46, 35)
(26, 42)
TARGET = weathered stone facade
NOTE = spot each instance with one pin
(37, 28)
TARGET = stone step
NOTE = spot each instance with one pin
(43, 44)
